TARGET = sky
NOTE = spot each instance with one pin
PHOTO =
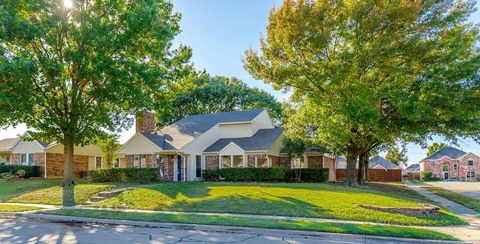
(220, 31)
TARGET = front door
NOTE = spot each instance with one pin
(179, 168)
(445, 175)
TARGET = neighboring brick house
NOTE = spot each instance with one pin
(185, 148)
(49, 156)
(452, 163)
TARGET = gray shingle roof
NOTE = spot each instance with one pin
(262, 140)
(450, 152)
(377, 160)
(413, 167)
(185, 130)
(7, 144)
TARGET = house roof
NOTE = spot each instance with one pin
(262, 140)
(185, 130)
(450, 152)
(413, 167)
(380, 161)
(7, 144)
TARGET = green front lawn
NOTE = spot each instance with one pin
(12, 189)
(53, 195)
(378, 230)
(461, 199)
(16, 208)
(282, 199)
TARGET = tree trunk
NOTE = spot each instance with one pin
(365, 167)
(361, 162)
(68, 183)
(351, 165)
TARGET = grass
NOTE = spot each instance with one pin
(15, 188)
(461, 199)
(379, 230)
(16, 208)
(53, 195)
(281, 199)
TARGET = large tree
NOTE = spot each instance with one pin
(397, 156)
(74, 69)
(366, 73)
(203, 94)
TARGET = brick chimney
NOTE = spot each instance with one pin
(145, 122)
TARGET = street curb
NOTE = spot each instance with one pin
(222, 229)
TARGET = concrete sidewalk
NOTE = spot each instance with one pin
(466, 233)
(55, 227)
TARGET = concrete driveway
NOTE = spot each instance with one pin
(471, 189)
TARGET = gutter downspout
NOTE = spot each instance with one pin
(45, 158)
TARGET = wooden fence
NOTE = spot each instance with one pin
(375, 175)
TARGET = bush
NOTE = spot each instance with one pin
(30, 171)
(307, 175)
(274, 174)
(428, 176)
(125, 175)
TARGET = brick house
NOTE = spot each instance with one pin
(185, 148)
(452, 163)
(49, 156)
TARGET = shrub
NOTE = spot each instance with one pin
(274, 174)
(125, 175)
(307, 175)
(21, 173)
(428, 176)
(30, 171)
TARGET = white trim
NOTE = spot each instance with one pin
(134, 136)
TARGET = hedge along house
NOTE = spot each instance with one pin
(49, 157)
(452, 163)
(185, 148)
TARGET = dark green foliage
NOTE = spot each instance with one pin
(274, 174)
(428, 176)
(125, 175)
(307, 175)
(30, 171)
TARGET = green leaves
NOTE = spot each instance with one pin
(365, 73)
(83, 70)
(203, 94)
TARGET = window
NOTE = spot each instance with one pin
(471, 174)
(432, 163)
(446, 167)
(143, 161)
(470, 162)
(261, 161)
(238, 161)
(226, 161)
(31, 159)
(160, 160)
(23, 159)
(136, 161)
(455, 166)
(117, 163)
(198, 163)
(98, 162)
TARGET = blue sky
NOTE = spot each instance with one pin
(220, 31)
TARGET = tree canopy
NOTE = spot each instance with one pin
(397, 156)
(204, 94)
(367, 73)
(72, 73)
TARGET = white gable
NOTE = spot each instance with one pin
(27, 147)
(139, 144)
(232, 149)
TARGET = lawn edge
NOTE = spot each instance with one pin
(206, 227)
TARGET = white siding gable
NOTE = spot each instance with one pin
(232, 149)
(27, 147)
(139, 144)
